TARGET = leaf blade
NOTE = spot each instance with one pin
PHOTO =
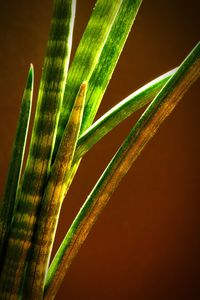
(108, 59)
(52, 201)
(114, 117)
(42, 142)
(102, 71)
(142, 132)
(120, 112)
(92, 71)
(8, 205)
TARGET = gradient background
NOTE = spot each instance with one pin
(146, 244)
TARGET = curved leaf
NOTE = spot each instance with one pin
(142, 132)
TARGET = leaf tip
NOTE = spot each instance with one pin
(84, 85)
(30, 77)
(83, 89)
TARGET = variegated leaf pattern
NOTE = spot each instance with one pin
(140, 135)
(109, 57)
(52, 201)
(99, 74)
(41, 148)
(87, 56)
(9, 203)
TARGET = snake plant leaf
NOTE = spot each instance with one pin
(101, 71)
(42, 142)
(142, 132)
(109, 58)
(8, 204)
(120, 112)
(52, 201)
(101, 44)
(115, 116)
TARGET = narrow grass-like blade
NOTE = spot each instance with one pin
(120, 112)
(100, 73)
(115, 116)
(42, 142)
(52, 201)
(97, 54)
(142, 132)
(109, 58)
(9, 203)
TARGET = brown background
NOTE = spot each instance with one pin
(146, 244)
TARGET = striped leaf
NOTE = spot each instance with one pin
(100, 72)
(114, 117)
(142, 132)
(109, 58)
(52, 201)
(42, 142)
(9, 203)
(87, 55)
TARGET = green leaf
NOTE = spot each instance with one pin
(9, 203)
(118, 113)
(42, 142)
(100, 72)
(97, 55)
(109, 58)
(142, 132)
(52, 201)
(115, 116)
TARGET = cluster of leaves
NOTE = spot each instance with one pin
(63, 132)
